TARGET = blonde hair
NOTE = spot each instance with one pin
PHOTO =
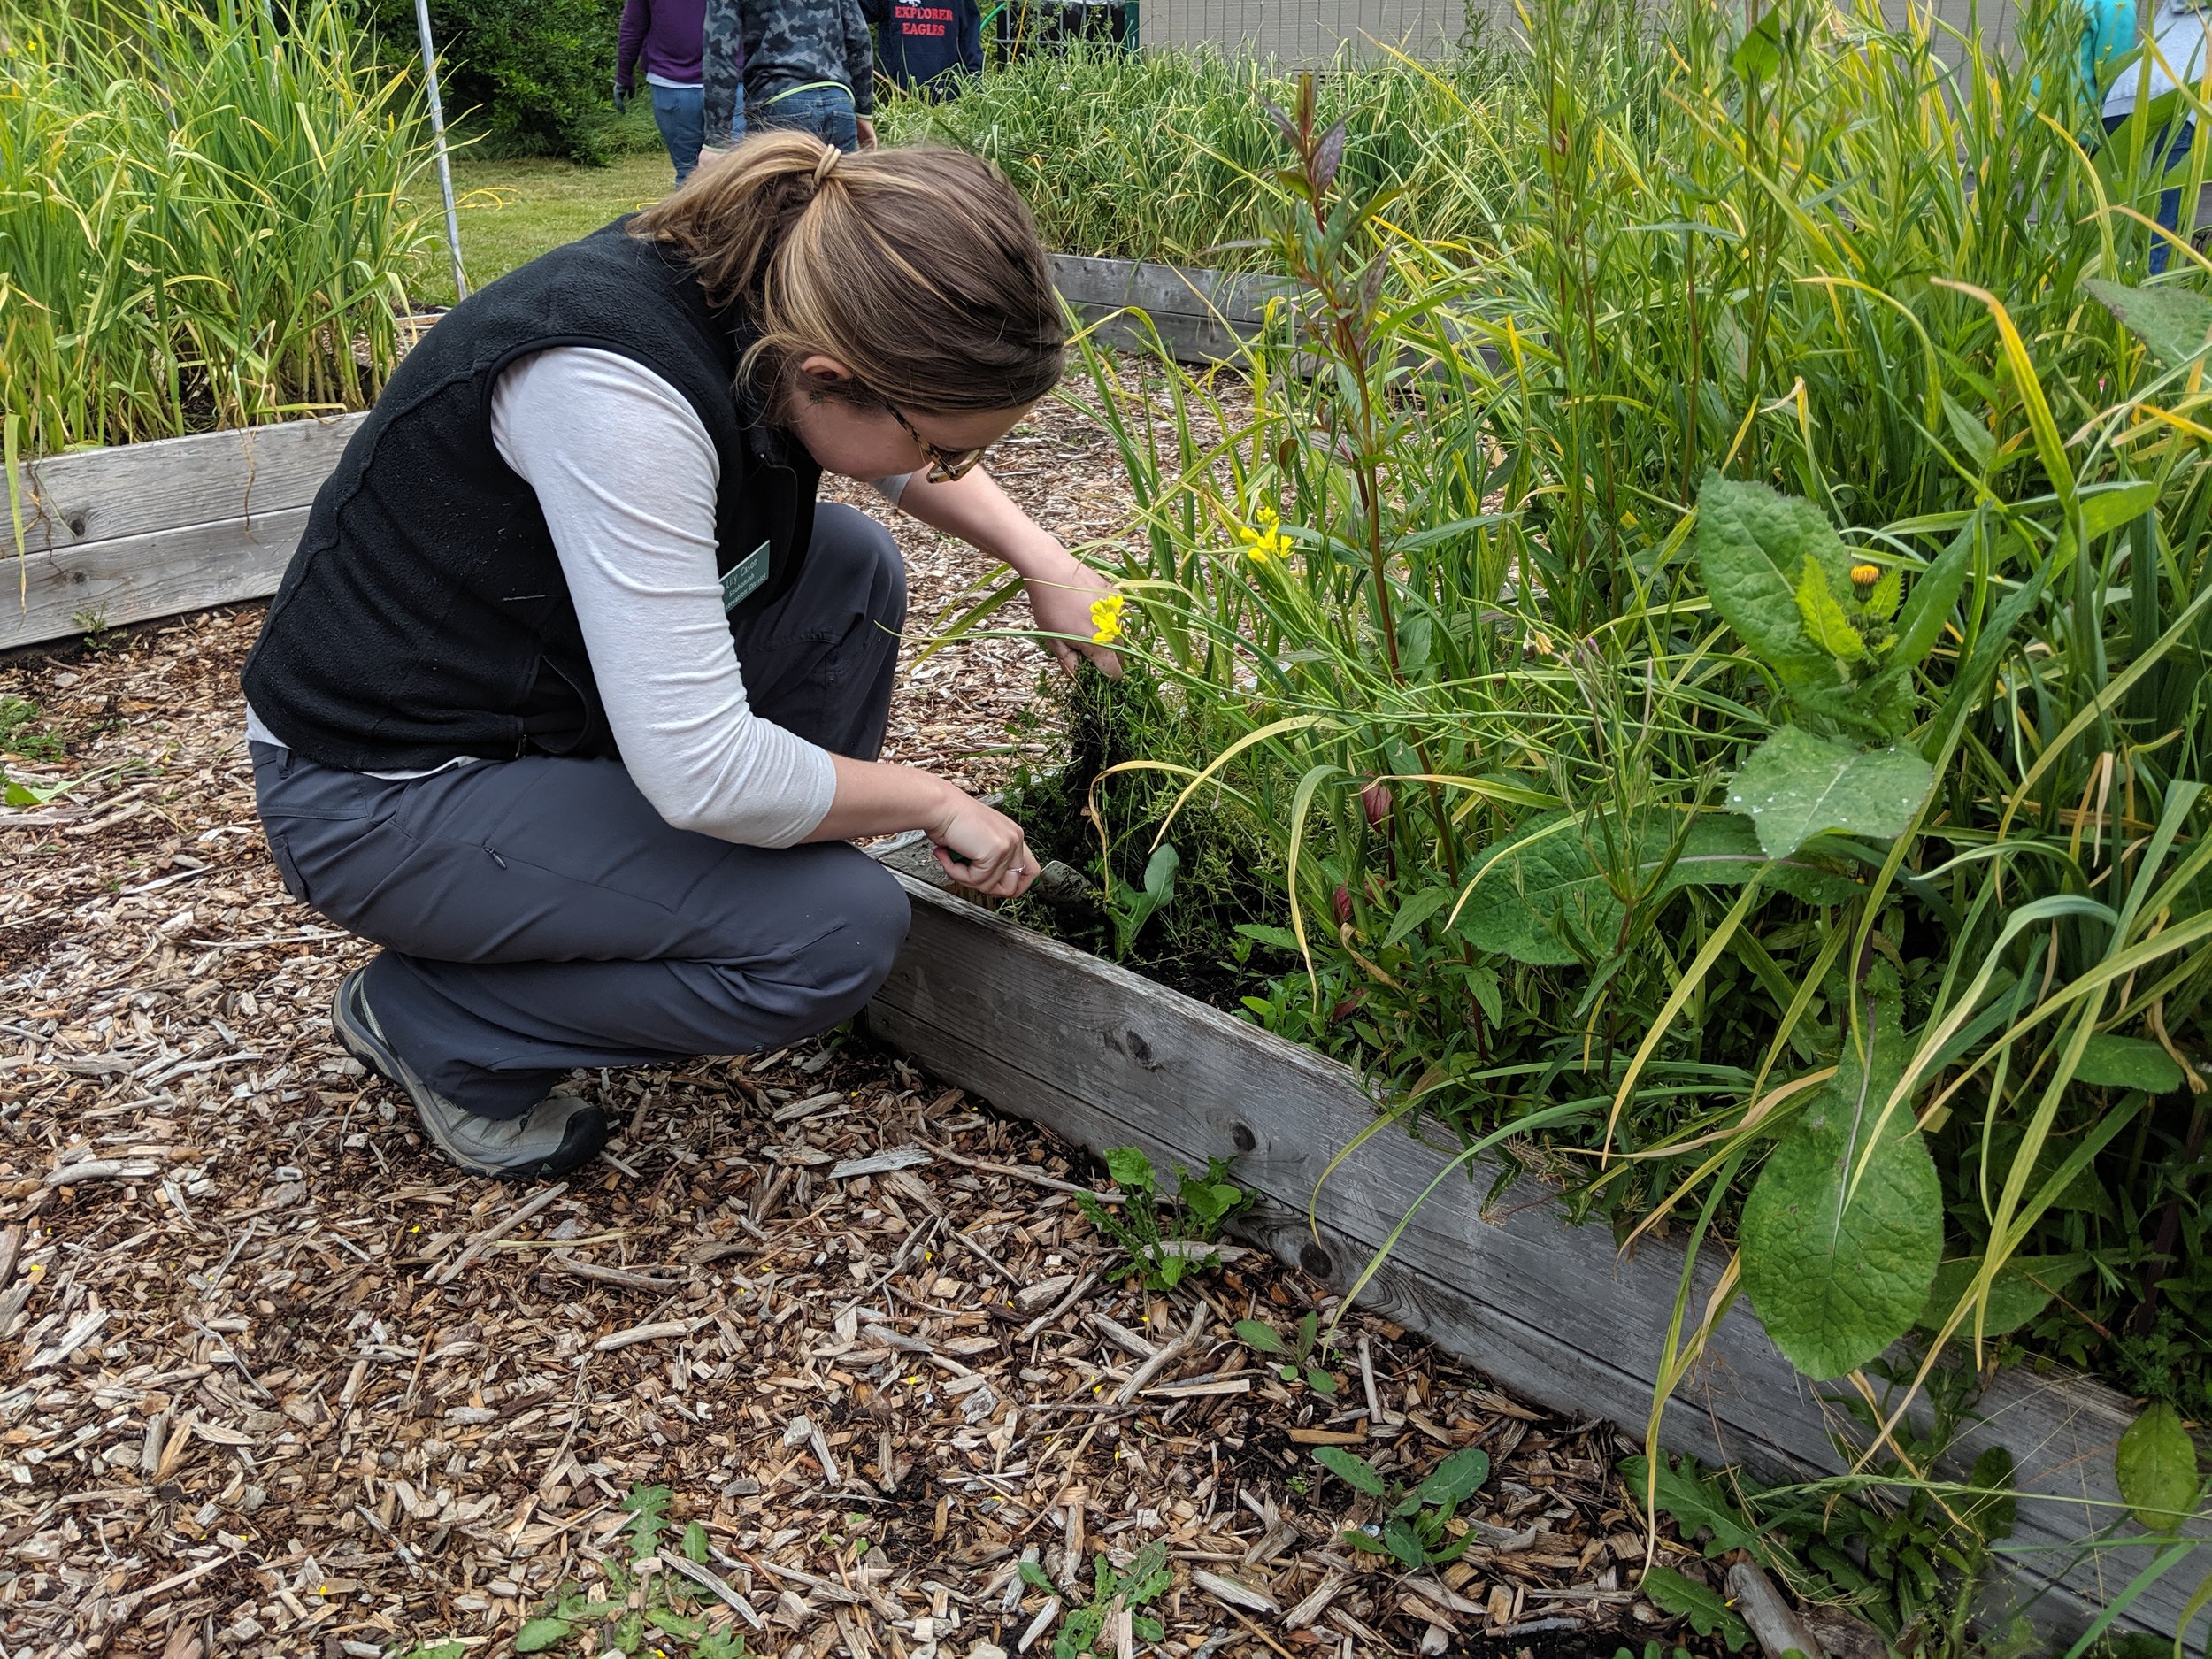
(919, 270)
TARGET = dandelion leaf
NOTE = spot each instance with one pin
(1842, 1235)
(1796, 785)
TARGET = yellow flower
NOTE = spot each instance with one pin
(1106, 618)
(1864, 577)
(1264, 538)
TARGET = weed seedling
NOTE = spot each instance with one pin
(1146, 1580)
(1296, 1355)
(1130, 908)
(1200, 1205)
(671, 1620)
(1414, 1530)
(21, 732)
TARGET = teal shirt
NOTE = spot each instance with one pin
(2108, 31)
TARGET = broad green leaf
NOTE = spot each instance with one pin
(1670, 1591)
(1822, 615)
(1455, 1480)
(2111, 1061)
(1723, 850)
(1356, 1472)
(1402, 1541)
(1838, 1274)
(1259, 1337)
(1320, 1380)
(1752, 545)
(541, 1633)
(2175, 322)
(2023, 1288)
(1759, 54)
(1698, 1504)
(1935, 591)
(1536, 891)
(696, 1544)
(1159, 872)
(2156, 1467)
(1131, 1169)
(1796, 785)
(1365, 1541)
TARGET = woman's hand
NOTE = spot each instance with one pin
(1062, 587)
(982, 849)
(1061, 596)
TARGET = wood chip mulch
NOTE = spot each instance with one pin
(274, 1381)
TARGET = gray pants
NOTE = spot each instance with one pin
(538, 915)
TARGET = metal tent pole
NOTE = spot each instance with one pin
(437, 129)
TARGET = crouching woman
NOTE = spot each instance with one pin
(572, 697)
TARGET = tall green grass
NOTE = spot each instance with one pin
(1488, 608)
(1167, 156)
(204, 214)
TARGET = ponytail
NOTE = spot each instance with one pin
(919, 270)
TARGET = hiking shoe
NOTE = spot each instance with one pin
(552, 1138)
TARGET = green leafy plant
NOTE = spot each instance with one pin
(1164, 1255)
(675, 1609)
(1297, 1355)
(209, 210)
(23, 733)
(1146, 1578)
(1708, 1614)
(1130, 908)
(1412, 1528)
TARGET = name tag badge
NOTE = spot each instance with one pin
(744, 578)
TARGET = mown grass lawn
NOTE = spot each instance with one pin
(511, 212)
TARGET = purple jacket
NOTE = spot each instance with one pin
(667, 35)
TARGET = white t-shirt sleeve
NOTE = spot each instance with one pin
(627, 475)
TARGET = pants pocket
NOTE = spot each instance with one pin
(286, 869)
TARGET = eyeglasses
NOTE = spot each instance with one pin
(945, 464)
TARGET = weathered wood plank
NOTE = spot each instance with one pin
(1199, 315)
(172, 483)
(1110, 1058)
(135, 577)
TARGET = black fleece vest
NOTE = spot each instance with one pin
(425, 615)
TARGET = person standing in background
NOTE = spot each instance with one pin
(668, 37)
(722, 72)
(2180, 30)
(932, 44)
(808, 65)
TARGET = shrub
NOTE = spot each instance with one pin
(535, 76)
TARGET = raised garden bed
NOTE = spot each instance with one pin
(1106, 1057)
(138, 531)
(145, 530)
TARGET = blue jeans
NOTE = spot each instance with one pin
(2169, 214)
(825, 111)
(679, 112)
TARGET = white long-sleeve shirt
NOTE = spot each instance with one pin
(627, 475)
